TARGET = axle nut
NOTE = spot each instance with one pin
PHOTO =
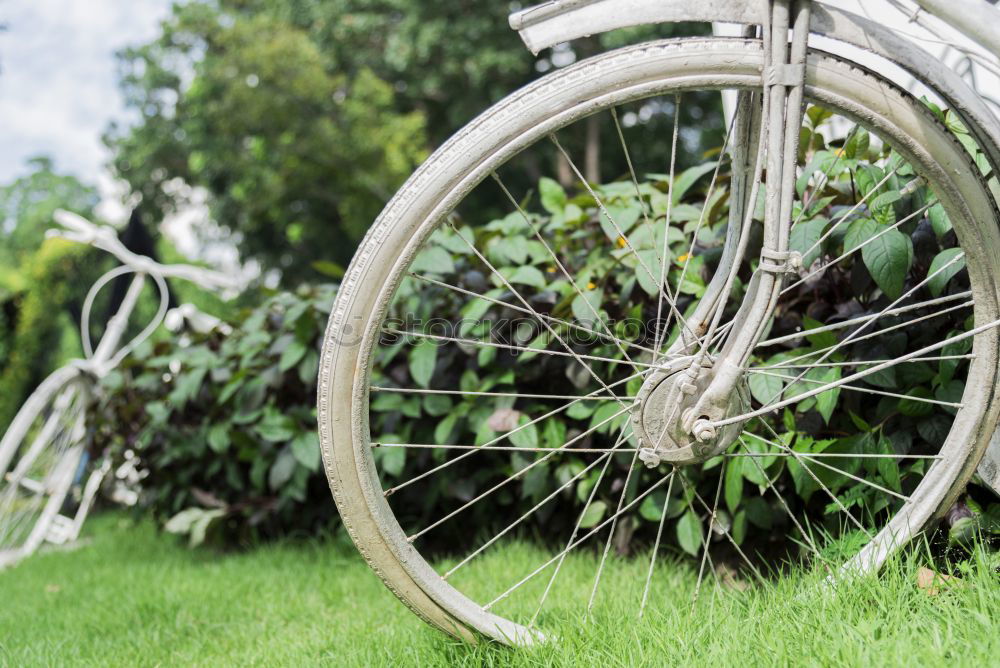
(703, 430)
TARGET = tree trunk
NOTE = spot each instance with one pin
(592, 157)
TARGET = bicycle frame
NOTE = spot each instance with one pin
(108, 354)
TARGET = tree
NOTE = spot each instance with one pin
(300, 118)
(26, 207)
(296, 154)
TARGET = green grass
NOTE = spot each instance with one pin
(136, 597)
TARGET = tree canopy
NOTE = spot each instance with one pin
(26, 207)
(300, 118)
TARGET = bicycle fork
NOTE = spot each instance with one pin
(709, 390)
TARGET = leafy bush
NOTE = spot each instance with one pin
(227, 424)
(618, 288)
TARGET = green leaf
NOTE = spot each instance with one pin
(739, 530)
(938, 283)
(764, 387)
(327, 268)
(437, 405)
(553, 195)
(651, 508)
(444, 429)
(689, 532)
(912, 408)
(647, 271)
(218, 437)
(593, 515)
(826, 402)
(512, 249)
(276, 427)
(434, 260)
(554, 432)
(282, 469)
(857, 145)
(188, 385)
(886, 199)
(526, 436)
(888, 468)
(293, 355)
(734, 483)
(393, 461)
(603, 416)
(528, 275)
(423, 359)
(624, 217)
(858, 232)
(888, 259)
(804, 236)
(305, 448)
(940, 222)
(688, 178)
(587, 304)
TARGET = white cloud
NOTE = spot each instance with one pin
(58, 87)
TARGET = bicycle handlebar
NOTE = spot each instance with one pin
(79, 229)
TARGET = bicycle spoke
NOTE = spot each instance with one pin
(825, 180)
(521, 309)
(497, 448)
(830, 455)
(618, 229)
(725, 531)
(652, 488)
(514, 395)
(707, 340)
(878, 367)
(517, 475)
(856, 376)
(662, 287)
(656, 547)
(569, 543)
(512, 348)
(781, 499)
(562, 268)
(607, 454)
(708, 532)
(611, 532)
(524, 301)
(866, 318)
(885, 330)
(857, 248)
(809, 471)
(451, 462)
(855, 388)
(850, 211)
(831, 365)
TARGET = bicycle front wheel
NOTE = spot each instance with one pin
(482, 382)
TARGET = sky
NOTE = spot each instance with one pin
(58, 84)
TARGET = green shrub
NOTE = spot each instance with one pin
(227, 424)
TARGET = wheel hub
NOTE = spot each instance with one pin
(664, 405)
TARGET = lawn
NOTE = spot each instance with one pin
(137, 597)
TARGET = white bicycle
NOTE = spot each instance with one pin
(44, 452)
(784, 389)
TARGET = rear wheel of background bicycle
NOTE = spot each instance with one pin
(40, 455)
(489, 374)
